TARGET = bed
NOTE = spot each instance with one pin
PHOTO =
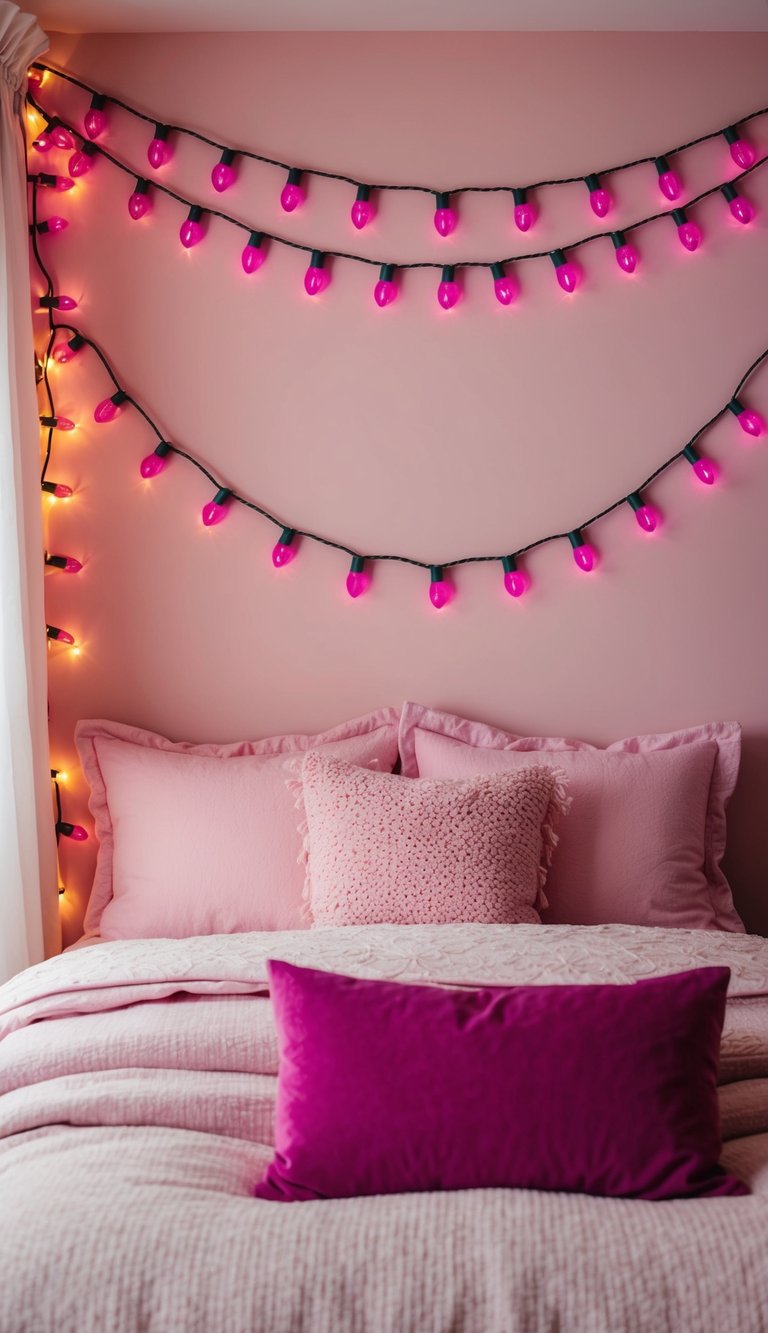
(138, 1114)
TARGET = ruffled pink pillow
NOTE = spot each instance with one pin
(646, 832)
(383, 848)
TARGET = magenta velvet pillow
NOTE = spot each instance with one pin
(646, 831)
(385, 848)
(202, 839)
(386, 1088)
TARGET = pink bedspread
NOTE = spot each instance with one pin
(136, 1114)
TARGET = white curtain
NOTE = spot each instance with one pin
(28, 884)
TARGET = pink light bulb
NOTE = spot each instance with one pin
(109, 408)
(64, 353)
(440, 591)
(599, 199)
(71, 565)
(192, 229)
(140, 203)
(154, 463)
(317, 277)
(384, 292)
(363, 210)
(515, 582)
(81, 163)
(705, 471)
(524, 213)
(742, 153)
(283, 551)
(61, 635)
(585, 557)
(223, 177)
(751, 422)
(504, 286)
(627, 257)
(690, 235)
(64, 423)
(647, 518)
(74, 831)
(159, 152)
(741, 209)
(63, 183)
(670, 184)
(216, 510)
(60, 491)
(358, 578)
(61, 138)
(292, 195)
(95, 123)
(42, 142)
(253, 256)
(56, 224)
(568, 274)
(66, 303)
(445, 221)
(448, 291)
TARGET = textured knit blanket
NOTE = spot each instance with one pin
(137, 1084)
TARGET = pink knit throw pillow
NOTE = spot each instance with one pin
(383, 848)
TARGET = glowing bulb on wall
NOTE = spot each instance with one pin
(60, 635)
(648, 517)
(224, 174)
(59, 183)
(689, 233)
(95, 121)
(515, 581)
(83, 160)
(74, 831)
(51, 226)
(153, 464)
(600, 200)
(64, 352)
(704, 469)
(67, 563)
(568, 273)
(140, 203)
(741, 209)
(448, 291)
(53, 135)
(57, 303)
(57, 423)
(160, 152)
(216, 510)
(317, 277)
(504, 285)
(385, 291)
(292, 195)
(253, 255)
(524, 211)
(358, 578)
(584, 555)
(751, 422)
(440, 590)
(363, 210)
(56, 490)
(626, 254)
(109, 408)
(445, 217)
(284, 550)
(742, 152)
(192, 229)
(669, 181)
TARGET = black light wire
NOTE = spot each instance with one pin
(351, 180)
(364, 259)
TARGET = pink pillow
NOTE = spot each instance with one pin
(646, 832)
(201, 839)
(385, 1088)
(385, 849)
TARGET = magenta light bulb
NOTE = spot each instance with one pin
(65, 352)
(742, 152)
(192, 229)
(751, 422)
(42, 142)
(515, 581)
(57, 489)
(599, 199)
(626, 254)
(504, 285)
(224, 174)
(445, 218)
(110, 407)
(440, 590)
(59, 183)
(217, 508)
(648, 518)
(154, 463)
(358, 578)
(385, 290)
(584, 555)
(52, 225)
(57, 303)
(363, 210)
(568, 274)
(67, 563)
(83, 160)
(448, 291)
(95, 121)
(688, 232)
(703, 468)
(140, 203)
(524, 213)
(57, 423)
(740, 207)
(61, 138)
(284, 550)
(292, 195)
(74, 831)
(317, 277)
(160, 151)
(253, 256)
(669, 181)
(60, 635)
(64, 183)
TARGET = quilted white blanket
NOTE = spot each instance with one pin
(137, 1083)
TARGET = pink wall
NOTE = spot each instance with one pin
(408, 429)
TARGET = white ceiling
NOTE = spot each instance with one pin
(400, 15)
